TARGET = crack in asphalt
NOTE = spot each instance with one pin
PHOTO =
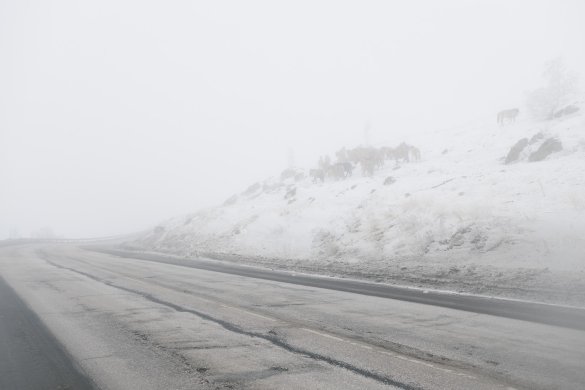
(392, 346)
(236, 329)
(571, 317)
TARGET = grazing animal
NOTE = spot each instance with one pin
(368, 167)
(402, 152)
(355, 155)
(507, 115)
(414, 154)
(341, 170)
(387, 152)
(347, 168)
(317, 174)
(379, 159)
(335, 171)
(373, 156)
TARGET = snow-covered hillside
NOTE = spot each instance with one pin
(471, 214)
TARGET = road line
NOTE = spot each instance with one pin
(327, 335)
(544, 313)
(385, 379)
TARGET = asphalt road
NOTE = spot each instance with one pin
(134, 324)
(564, 316)
(30, 357)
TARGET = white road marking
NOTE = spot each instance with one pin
(250, 312)
(391, 354)
(345, 341)
(325, 335)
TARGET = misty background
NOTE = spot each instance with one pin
(115, 115)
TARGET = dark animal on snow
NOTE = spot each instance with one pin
(347, 168)
(402, 152)
(340, 170)
(507, 116)
(317, 174)
(414, 154)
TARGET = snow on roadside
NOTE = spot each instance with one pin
(459, 208)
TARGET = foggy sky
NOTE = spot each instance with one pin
(115, 115)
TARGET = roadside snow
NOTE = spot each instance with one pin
(461, 215)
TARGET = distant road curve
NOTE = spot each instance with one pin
(563, 316)
(89, 240)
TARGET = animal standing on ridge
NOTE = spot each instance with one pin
(317, 175)
(507, 116)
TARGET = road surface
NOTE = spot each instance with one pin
(566, 316)
(26, 343)
(126, 323)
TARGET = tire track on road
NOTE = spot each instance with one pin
(273, 339)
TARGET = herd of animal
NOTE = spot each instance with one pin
(367, 158)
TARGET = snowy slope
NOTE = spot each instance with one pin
(460, 207)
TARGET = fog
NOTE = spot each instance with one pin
(115, 115)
